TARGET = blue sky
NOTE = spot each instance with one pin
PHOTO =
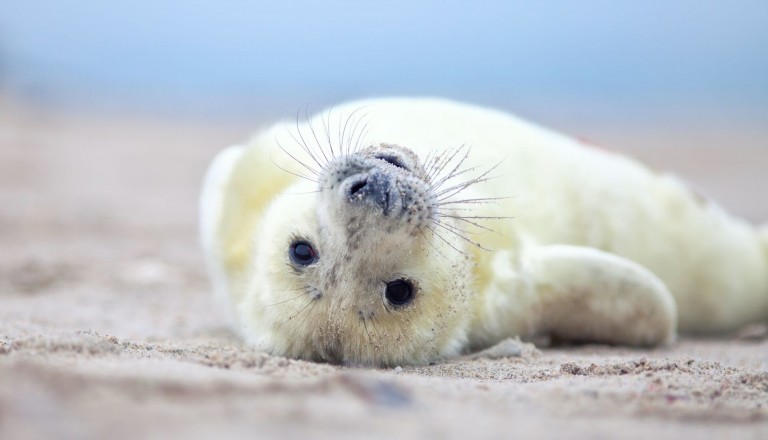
(231, 56)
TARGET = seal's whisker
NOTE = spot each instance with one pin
(456, 189)
(295, 174)
(477, 201)
(311, 300)
(314, 135)
(354, 131)
(452, 227)
(458, 165)
(305, 288)
(314, 304)
(291, 172)
(462, 219)
(306, 149)
(439, 161)
(462, 237)
(363, 132)
(480, 217)
(458, 209)
(464, 185)
(375, 321)
(303, 142)
(362, 140)
(365, 326)
(343, 132)
(444, 161)
(287, 300)
(418, 228)
(467, 150)
(425, 164)
(302, 163)
(446, 241)
(452, 176)
(326, 122)
(340, 137)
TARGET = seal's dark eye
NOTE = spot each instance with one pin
(302, 253)
(399, 293)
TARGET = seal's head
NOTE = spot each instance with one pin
(355, 269)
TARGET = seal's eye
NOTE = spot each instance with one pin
(399, 293)
(394, 160)
(302, 253)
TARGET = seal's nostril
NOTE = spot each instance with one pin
(354, 189)
(376, 189)
(393, 160)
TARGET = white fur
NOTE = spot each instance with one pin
(210, 212)
(598, 246)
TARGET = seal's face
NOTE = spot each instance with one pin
(355, 271)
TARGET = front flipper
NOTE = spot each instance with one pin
(583, 294)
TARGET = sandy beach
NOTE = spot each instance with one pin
(108, 328)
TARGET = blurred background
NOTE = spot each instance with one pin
(110, 111)
(602, 59)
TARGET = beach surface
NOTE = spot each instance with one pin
(108, 328)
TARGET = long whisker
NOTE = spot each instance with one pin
(311, 300)
(314, 135)
(446, 241)
(287, 300)
(375, 321)
(365, 326)
(480, 217)
(455, 229)
(314, 304)
(440, 161)
(290, 290)
(360, 136)
(463, 237)
(326, 125)
(354, 130)
(478, 225)
(430, 242)
(291, 172)
(343, 135)
(435, 160)
(464, 185)
(310, 169)
(481, 200)
(303, 143)
(456, 167)
(452, 176)
(456, 189)
(425, 165)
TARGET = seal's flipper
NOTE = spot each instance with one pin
(588, 295)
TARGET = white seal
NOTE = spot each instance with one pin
(405, 231)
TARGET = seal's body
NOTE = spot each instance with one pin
(403, 231)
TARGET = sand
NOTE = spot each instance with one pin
(108, 328)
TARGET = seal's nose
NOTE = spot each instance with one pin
(375, 188)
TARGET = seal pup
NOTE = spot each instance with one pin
(406, 231)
